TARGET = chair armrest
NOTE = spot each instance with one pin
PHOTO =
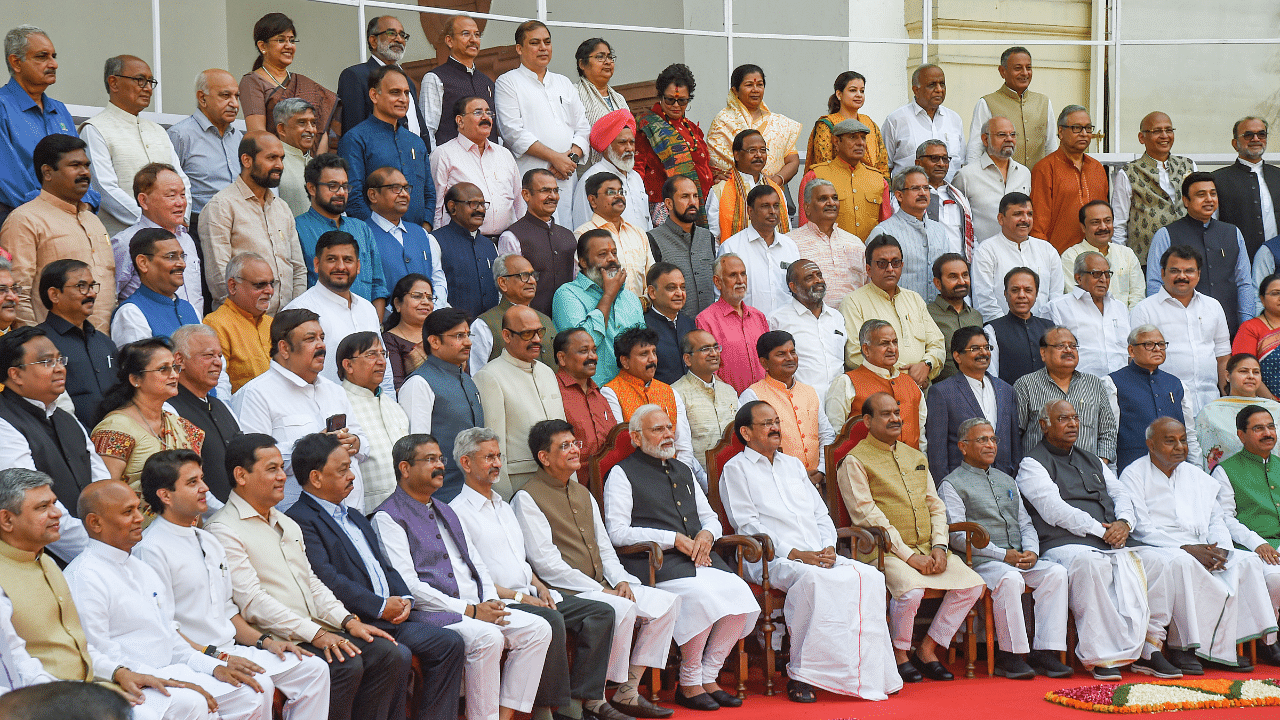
(864, 542)
(976, 537)
(747, 546)
(881, 540)
(655, 556)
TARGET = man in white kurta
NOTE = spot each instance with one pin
(127, 614)
(1099, 321)
(614, 137)
(1014, 247)
(835, 607)
(817, 328)
(192, 567)
(1177, 511)
(717, 608)
(767, 253)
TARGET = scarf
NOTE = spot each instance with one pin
(733, 206)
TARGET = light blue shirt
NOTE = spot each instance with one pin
(922, 243)
(211, 161)
(574, 305)
(371, 564)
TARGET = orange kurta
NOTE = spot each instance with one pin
(1058, 191)
(632, 393)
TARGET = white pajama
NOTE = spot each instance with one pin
(950, 616)
(1109, 593)
(1049, 592)
(234, 703)
(303, 680)
(179, 704)
(525, 637)
(703, 655)
(656, 610)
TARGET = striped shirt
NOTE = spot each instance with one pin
(1097, 422)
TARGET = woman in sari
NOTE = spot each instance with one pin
(412, 300)
(595, 68)
(271, 81)
(1260, 336)
(746, 110)
(669, 144)
(846, 104)
(1216, 423)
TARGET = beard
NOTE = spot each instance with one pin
(385, 51)
(335, 205)
(267, 179)
(624, 163)
(1001, 152)
(665, 451)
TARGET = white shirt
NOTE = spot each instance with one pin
(496, 537)
(439, 283)
(766, 266)
(684, 436)
(619, 501)
(1175, 510)
(1240, 533)
(395, 546)
(910, 125)
(286, 407)
(637, 212)
(1038, 489)
(412, 117)
(997, 255)
(491, 168)
(1197, 335)
(950, 214)
(432, 94)
(127, 279)
(819, 342)
(1122, 197)
(837, 401)
(982, 113)
(713, 202)
(17, 668)
(776, 499)
(546, 559)
(548, 111)
(1188, 418)
(192, 565)
(985, 393)
(981, 182)
(1103, 335)
(1264, 197)
(339, 318)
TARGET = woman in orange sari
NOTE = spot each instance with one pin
(846, 104)
(746, 111)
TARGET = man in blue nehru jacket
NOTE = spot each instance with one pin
(467, 256)
(154, 308)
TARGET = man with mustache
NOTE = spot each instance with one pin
(863, 198)
(727, 202)
(717, 607)
(805, 427)
(1226, 276)
(455, 78)
(923, 238)
(549, 247)
(8, 298)
(1128, 284)
(154, 309)
(242, 322)
(607, 197)
(325, 177)
(518, 390)
(597, 300)
(68, 291)
(973, 392)
(924, 118)
(159, 192)
(665, 290)
(710, 403)
(679, 240)
(834, 607)
(292, 398)
(990, 175)
(1249, 189)
(1016, 335)
(1059, 379)
(471, 157)
(386, 39)
(362, 366)
(765, 250)
(950, 310)
(614, 136)
(1244, 493)
(207, 142)
(467, 255)
(1193, 322)
(584, 406)
(278, 591)
(1094, 315)
(1065, 179)
(735, 325)
(878, 373)
(1014, 247)
(1145, 194)
(947, 205)
(1014, 99)
(517, 282)
(247, 216)
(818, 330)
(59, 225)
(839, 254)
(295, 124)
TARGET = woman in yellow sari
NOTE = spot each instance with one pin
(846, 104)
(746, 110)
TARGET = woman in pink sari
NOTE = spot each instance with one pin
(1260, 336)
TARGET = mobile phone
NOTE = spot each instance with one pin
(335, 422)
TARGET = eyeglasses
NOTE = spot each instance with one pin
(428, 459)
(524, 276)
(260, 286)
(886, 264)
(612, 192)
(170, 257)
(984, 440)
(678, 102)
(393, 33)
(977, 348)
(1250, 135)
(1183, 272)
(16, 289)
(373, 354)
(282, 40)
(174, 369)
(335, 186)
(936, 158)
(916, 188)
(49, 363)
(602, 56)
(553, 190)
(1065, 346)
(143, 81)
(1260, 428)
(708, 348)
(1097, 274)
(492, 458)
(395, 189)
(480, 112)
(1068, 418)
(776, 422)
(459, 337)
(564, 446)
(465, 34)
(527, 335)
(477, 204)
(1159, 131)
(85, 288)
(1152, 345)
(419, 296)
(1078, 129)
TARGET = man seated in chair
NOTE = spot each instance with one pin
(1177, 513)
(716, 607)
(885, 483)
(981, 493)
(835, 607)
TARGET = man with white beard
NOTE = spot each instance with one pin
(614, 136)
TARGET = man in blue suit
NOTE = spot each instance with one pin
(345, 554)
(386, 39)
(972, 392)
(467, 256)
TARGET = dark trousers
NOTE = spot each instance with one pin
(369, 686)
(442, 656)
(592, 624)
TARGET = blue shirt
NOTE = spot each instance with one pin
(22, 126)
(370, 283)
(375, 144)
(211, 161)
(376, 577)
(574, 305)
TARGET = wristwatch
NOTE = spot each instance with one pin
(211, 650)
(346, 620)
(575, 157)
(519, 598)
(265, 637)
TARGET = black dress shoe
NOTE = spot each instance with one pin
(1269, 654)
(932, 670)
(602, 712)
(1013, 666)
(701, 701)
(642, 708)
(800, 692)
(1242, 665)
(1185, 660)
(1045, 662)
(909, 672)
(725, 699)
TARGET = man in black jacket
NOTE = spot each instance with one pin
(197, 350)
(1249, 189)
(386, 39)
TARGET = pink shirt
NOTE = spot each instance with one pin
(840, 256)
(494, 171)
(737, 335)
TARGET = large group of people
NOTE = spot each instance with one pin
(336, 379)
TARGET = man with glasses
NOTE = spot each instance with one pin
(1140, 392)
(404, 247)
(1098, 319)
(1249, 189)
(467, 255)
(614, 137)
(517, 391)
(517, 282)
(294, 122)
(242, 322)
(973, 392)
(362, 366)
(551, 248)
(327, 186)
(923, 238)
(1145, 194)
(387, 41)
(1057, 380)
(986, 178)
(879, 373)
(455, 78)
(1017, 245)
(159, 190)
(196, 349)
(471, 157)
(1065, 179)
(67, 290)
(607, 196)
(710, 403)
(1128, 284)
(947, 205)
(154, 309)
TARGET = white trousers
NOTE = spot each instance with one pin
(234, 703)
(702, 656)
(1049, 592)
(489, 682)
(179, 704)
(955, 606)
(1117, 601)
(1271, 574)
(304, 681)
(657, 611)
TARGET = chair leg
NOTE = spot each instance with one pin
(971, 645)
(1253, 652)
(655, 683)
(988, 610)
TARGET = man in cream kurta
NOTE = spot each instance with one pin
(875, 479)
(834, 607)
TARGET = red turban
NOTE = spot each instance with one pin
(607, 128)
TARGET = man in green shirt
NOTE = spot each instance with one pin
(949, 310)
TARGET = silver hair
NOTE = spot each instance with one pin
(181, 338)
(636, 423)
(923, 147)
(900, 180)
(5, 265)
(14, 484)
(202, 81)
(870, 326)
(500, 266)
(1083, 257)
(813, 186)
(235, 266)
(1151, 429)
(986, 127)
(963, 432)
(113, 66)
(1142, 330)
(1043, 415)
(1067, 111)
(915, 74)
(468, 441)
(715, 266)
(17, 40)
(287, 108)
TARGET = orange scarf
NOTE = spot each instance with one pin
(733, 206)
(632, 393)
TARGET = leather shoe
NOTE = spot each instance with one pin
(1269, 654)
(603, 712)
(642, 708)
(932, 670)
(1242, 665)
(1013, 666)
(701, 701)
(909, 672)
(725, 699)
(800, 692)
(1045, 662)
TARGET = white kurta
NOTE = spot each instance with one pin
(981, 182)
(819, 342)
(1197, 334)
(339, 318)
(1244, 536)
(908, 126)
(835, 616)
(997, 255)
(684, 435)
(1103, 335)
(766, 266)
(496, 536)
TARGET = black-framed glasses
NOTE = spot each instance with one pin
(614, 192)
(523, 276)
(677, 102)
(1251, 134)
(395, 189)
(1065, 346)
(393, 33)
(142, 81)
(335, 186)
(1078, 129)
(977, 348)
(528, 335)
(84, 288)
(936, 158)
(15, 288)
(477, 204)
(48, 362)
(1152, 345)
(260, 286)
(886, 264)
(1097, 274)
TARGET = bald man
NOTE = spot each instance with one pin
(1146, 194)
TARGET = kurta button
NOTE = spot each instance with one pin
(677, 502)
(438, 536)
(450, 574)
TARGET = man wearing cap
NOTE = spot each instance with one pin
(863, 192)
(614, 137)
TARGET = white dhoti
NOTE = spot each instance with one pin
(179, 704)
(717, 609)
(234, 703)
(1048, 582)
(658, 610)
(836, 618)
(1109, 594)
(489, 682)
(304, 681)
